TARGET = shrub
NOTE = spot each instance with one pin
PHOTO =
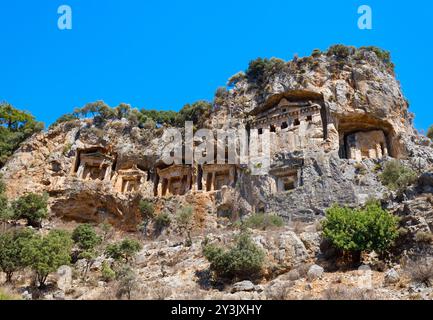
(357, 230)
(316, 53)
(67, 147)
(147, 211)
(85, 237)
(108, 274)
(236, 78)
(107, 230)
(430, 133)
(264, 221)
(5, 211)
(244, 261)
(340, 51)
(397, 176)
(260, 70)
(45, 254)
(11, 251)
(196, 112)
(127, 282)
(382, 55)
(124, 250)
(162, 221)
(32, 207)
(184, 219)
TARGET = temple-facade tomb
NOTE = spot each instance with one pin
(366, 145)
(174, 180)
(294, 119)
(288, 115)
(94, 164)
(129, 180)
(218, 175)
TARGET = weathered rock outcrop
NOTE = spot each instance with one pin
(331, 119)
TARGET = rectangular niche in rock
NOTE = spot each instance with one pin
(94, 164)
(286, 179)
(366, 145)
(218, 175)
(129, 180)
(174, 180)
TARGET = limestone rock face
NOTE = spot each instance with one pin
(331, 122)
(64, 281)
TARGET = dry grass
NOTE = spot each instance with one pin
(279, 292)
(424, 237)
(345, 293)
(160, 291)
(421, 271)
(298, 226)
(6, 294)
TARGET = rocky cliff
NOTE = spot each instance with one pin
(361, 119)
(333, 120)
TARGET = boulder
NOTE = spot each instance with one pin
(315, 272)
(243, 286)
(391, 277)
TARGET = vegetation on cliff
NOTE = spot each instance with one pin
(15, 127)
(430, 133)
(101, 112)
(244, 260)
(357, 230)
(397, 176)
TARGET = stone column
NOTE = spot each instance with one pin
(168, 186)
(232, 176)
(379, 154)
(213, 187)
(107, 173)
(188, 182)
(80, 171)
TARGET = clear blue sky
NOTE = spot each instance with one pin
(163, 54)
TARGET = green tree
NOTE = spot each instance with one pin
(430, 133)
(12, 244)
(356, 230)
(124, 250)
(147, 211)
(260, 70)
(127, 282)
(15, 127)
(33, 207)
(45, 254)
(5, 211)
(87, 240)
(243, 261)
(86, 237)
(196, 112)
(184, 219)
